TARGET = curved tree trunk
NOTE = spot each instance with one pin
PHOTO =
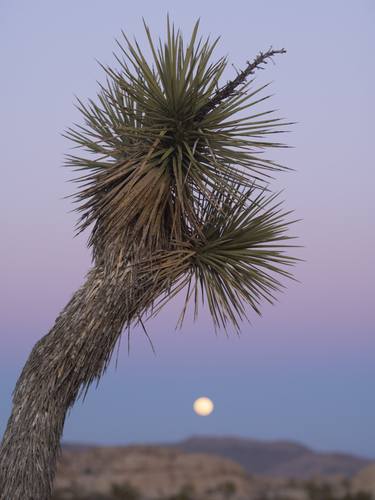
(62, 364)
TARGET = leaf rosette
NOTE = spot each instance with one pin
(174, 178)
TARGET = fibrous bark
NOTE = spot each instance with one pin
(61, 365)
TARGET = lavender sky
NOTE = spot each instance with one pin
(306, 370)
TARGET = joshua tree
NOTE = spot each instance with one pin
(175, 189)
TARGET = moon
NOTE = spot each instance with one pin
(203, 406)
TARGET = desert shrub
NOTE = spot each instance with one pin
(325, 492)
(74, 495)
(319, 491)
(94, 496)
(361, 495)
(125, 492)
(70, 494)
(227, 489)
(186, 493)
(57, 496)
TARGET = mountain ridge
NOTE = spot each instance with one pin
(278, 458)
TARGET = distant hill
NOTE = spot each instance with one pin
(267, 458)
(154, 472)
(276, 458)
(180, 471)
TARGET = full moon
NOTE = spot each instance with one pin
(203, 406)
